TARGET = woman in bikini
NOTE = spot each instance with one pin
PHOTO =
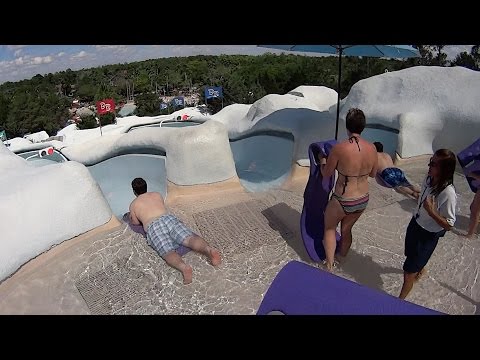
(355, 159)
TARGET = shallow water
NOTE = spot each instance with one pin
(262, 161)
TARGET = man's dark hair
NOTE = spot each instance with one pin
(139, 186)
(378, 146)
(355, 121)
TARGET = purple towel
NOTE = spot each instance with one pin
(301, 289)
(182, 250)
(469, 160)
(315, 199)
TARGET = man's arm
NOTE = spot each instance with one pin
(328, 165)
(133, 217)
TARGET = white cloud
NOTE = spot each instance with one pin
(60, 54)
(18, 52)
(80, 55)
(19, 61)
(5, 65)
(22, 67)
(37, 60)
(111, 47)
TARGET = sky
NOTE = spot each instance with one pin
(18, 62)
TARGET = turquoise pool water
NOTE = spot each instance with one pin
(177, 124)
(389, 138)
(32, 156)
(116, 174)
(263, 160)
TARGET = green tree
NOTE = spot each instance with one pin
(107, 119)
(466, 60)
(147, 105)
(87, 122)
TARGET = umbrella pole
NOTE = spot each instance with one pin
(338, 89)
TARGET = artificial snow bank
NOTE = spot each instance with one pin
(431, 107)
(194, 155)
(73, 136)
(37, 137)
(307, 112)
(43, 206)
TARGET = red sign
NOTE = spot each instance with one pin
(105, 106)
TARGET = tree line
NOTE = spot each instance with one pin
(42, 102)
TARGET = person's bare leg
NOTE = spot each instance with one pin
(408, 280)
(474, 215)
(198, 244)
(420, 274)
(346, 231)
(176, 261)
(333, 215)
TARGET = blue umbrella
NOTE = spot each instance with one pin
(388, 51)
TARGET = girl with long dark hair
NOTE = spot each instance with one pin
(433, 216)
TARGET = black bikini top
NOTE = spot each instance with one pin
(351, 139)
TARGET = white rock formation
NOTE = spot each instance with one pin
(44, 206)
(37, 137)
(17, 143)
(432, 107)
(300, 116)
(323, 97)
(195, 155)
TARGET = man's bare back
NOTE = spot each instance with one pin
(384, 161)
(147, 207)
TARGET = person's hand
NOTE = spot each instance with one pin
(429, 204)
(321, 159)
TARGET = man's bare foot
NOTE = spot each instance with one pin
(420, 274)
(215, 258)
(187, 273)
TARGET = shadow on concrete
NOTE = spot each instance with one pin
(361, 267)
(408, 205)
(464, 297)
(365, 271)
(462, 224)
(286, 220)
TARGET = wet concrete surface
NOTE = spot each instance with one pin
(118, 273)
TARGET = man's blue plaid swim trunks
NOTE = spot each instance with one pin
(167, 233)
